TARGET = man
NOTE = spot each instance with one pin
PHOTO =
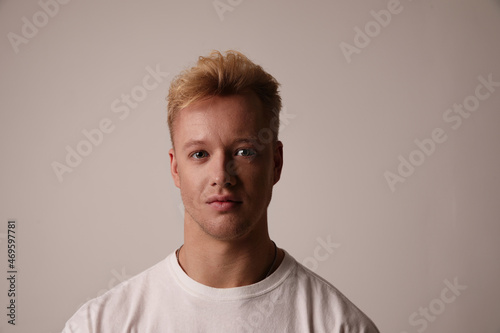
(228, 276)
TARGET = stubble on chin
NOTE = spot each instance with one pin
(223, 227)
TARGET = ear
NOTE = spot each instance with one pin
(278, 160)
(173, 168)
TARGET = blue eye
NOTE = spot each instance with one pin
(246, 152)
(199, 154)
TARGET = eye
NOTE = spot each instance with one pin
(199, 154)
(245, 152)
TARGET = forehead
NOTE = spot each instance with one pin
(220, 117)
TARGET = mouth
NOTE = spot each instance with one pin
(223, 202)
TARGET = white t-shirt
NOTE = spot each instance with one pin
(165, 299)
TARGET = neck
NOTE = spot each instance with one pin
(229, 263)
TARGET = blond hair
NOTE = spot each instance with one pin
(223, 75)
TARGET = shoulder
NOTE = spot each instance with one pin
(118, 302)
(322, 297)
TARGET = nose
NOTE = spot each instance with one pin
(222, 169)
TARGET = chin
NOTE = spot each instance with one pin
(226, 230)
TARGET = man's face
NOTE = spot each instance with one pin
(224, 171)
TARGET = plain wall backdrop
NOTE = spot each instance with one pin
(391, 132)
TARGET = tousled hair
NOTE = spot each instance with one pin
(226, 74)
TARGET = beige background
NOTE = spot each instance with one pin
(118, 212)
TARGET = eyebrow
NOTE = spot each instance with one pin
(251, 139)
(192, 143)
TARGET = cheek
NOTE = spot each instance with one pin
(190, 182)
(260, 178)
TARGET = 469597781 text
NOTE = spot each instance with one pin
(11, 271)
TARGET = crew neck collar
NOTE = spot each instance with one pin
(229, 294)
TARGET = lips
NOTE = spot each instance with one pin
(223, 202)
